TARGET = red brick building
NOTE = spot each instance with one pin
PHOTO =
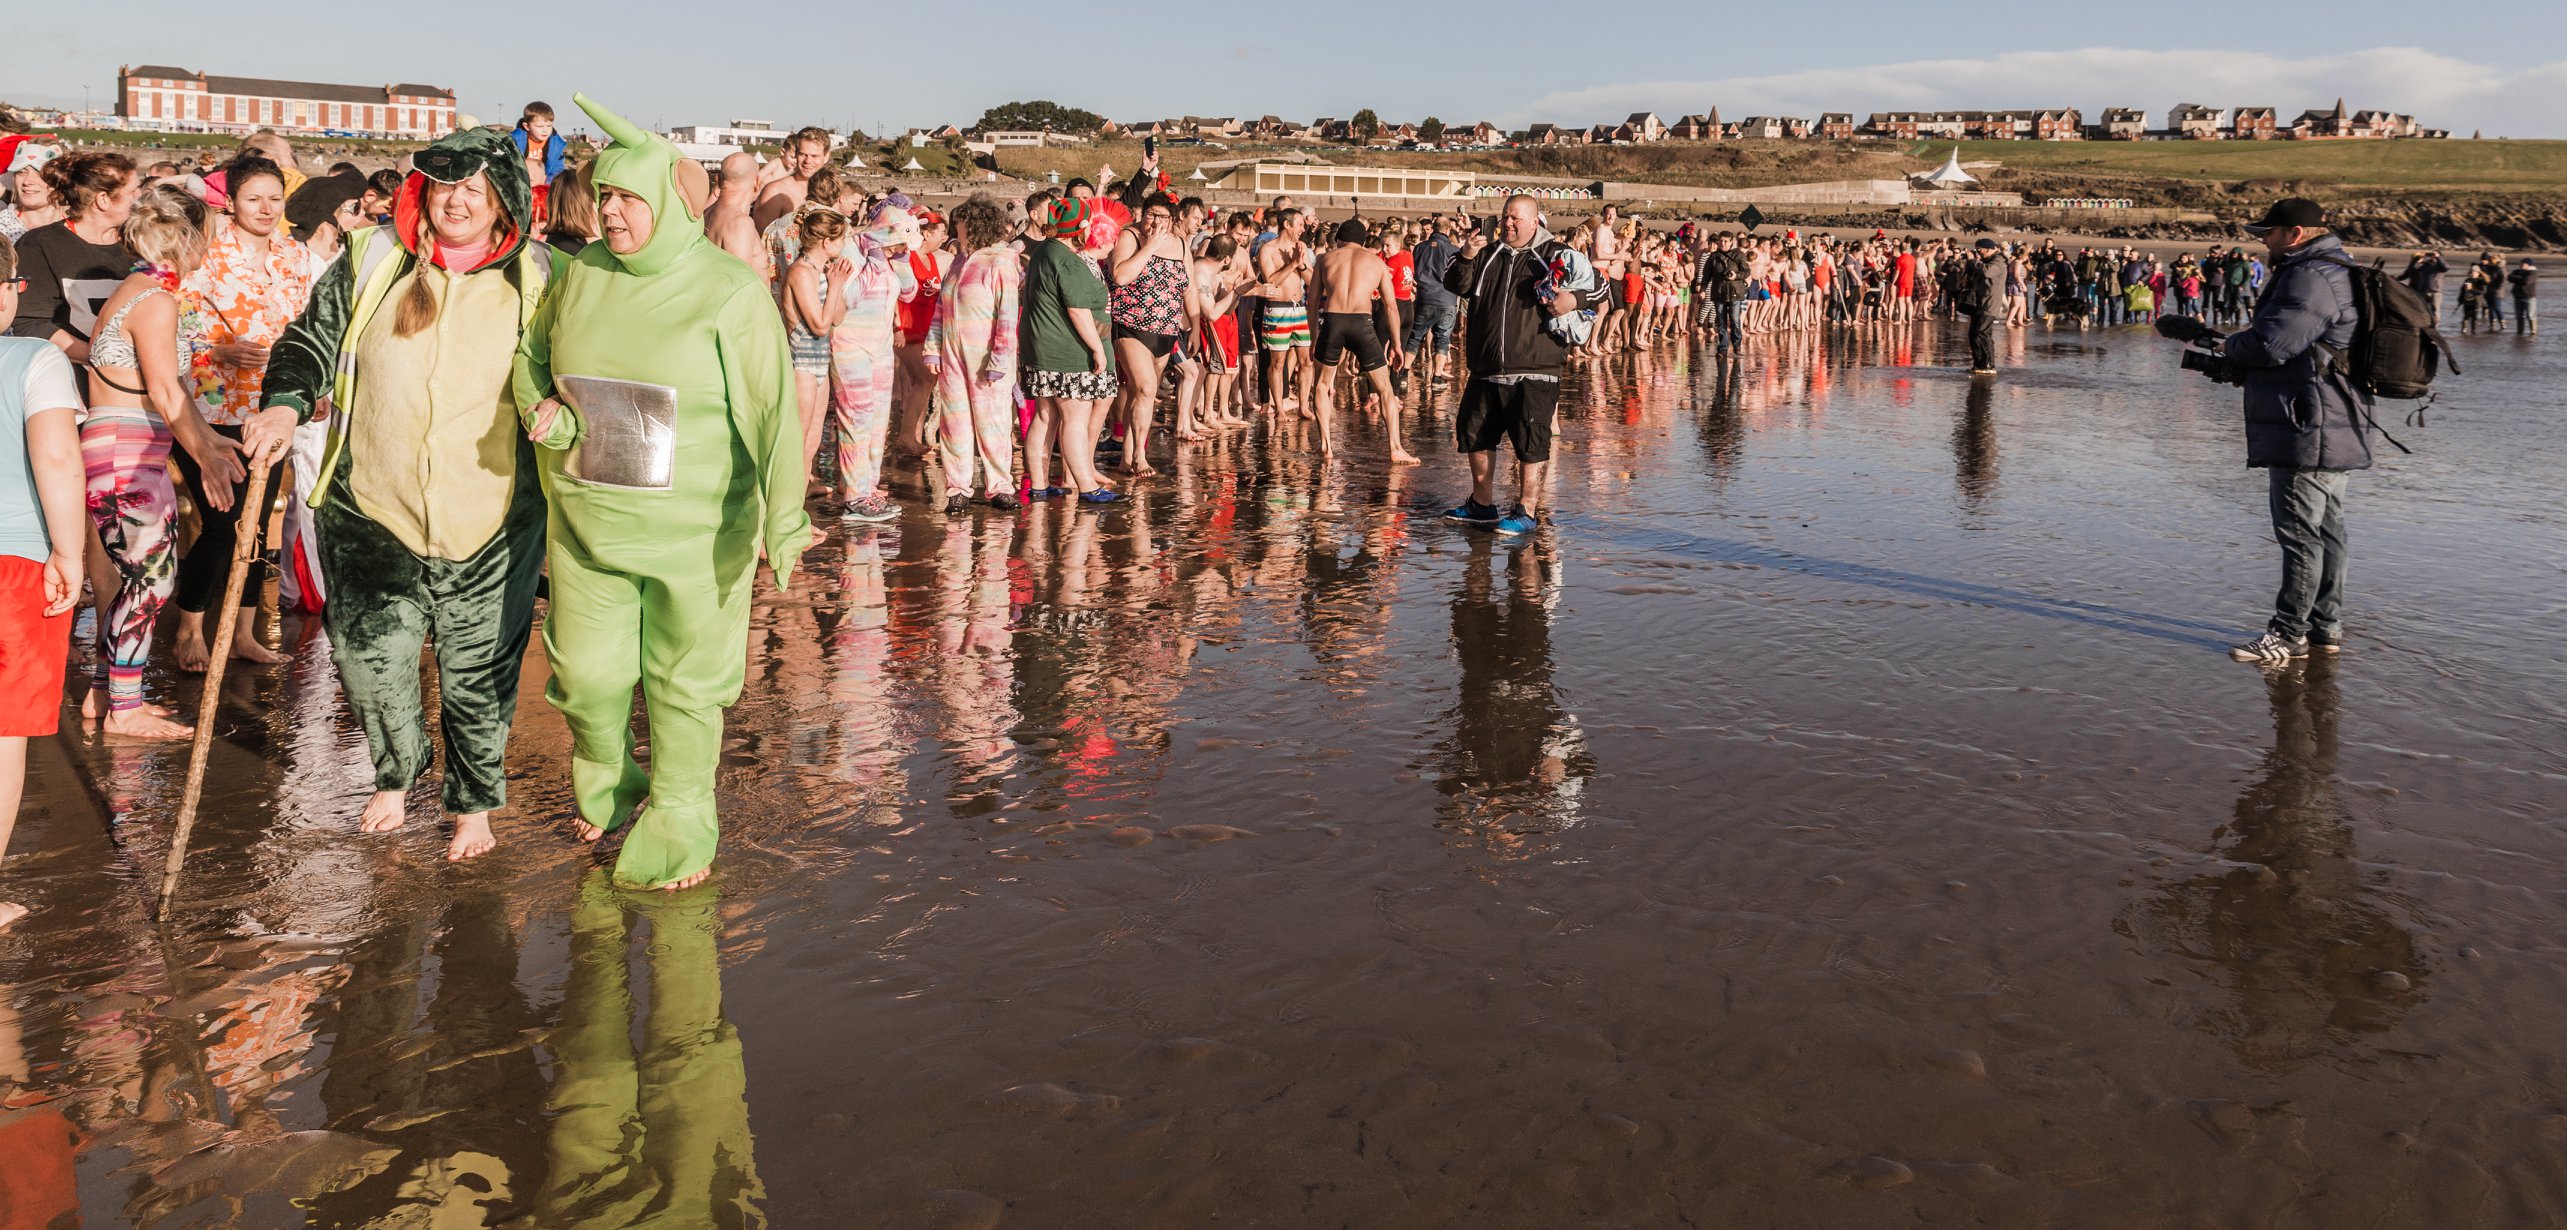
(153, 96)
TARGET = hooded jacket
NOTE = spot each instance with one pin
(554, 148)
(1506, 336)
(2300, 412)
(317, 358)
(683, 314)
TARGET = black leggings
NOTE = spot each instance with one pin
(209, 562)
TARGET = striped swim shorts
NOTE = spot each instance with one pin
(1286, 325)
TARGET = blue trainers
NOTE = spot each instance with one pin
(1517, 521)
(1472, 512)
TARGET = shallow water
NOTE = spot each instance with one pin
(1843, 816)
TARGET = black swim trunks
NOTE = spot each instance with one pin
(1340, 332)
(1517, 410)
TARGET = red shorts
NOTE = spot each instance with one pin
(1634, 288)
(1225, 339)
(33, 648)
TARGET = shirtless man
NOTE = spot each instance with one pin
(1609, 258)
(1349, 281)
(1216, 334)
(729, 224)
(805, 151)
(1284, 332)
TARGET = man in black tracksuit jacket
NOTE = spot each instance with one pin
(1514, 362)
(1719, 284)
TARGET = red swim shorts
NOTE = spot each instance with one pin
(33, 648)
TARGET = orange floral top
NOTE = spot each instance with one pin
(245, 298)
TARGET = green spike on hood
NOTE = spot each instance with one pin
(645, 164)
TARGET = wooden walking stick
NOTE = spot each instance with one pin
(218, 655)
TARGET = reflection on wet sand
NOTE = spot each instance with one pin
(2305, 939)
(654, 1134)
(1974, 446)
(1516, 765)
(1841, 817)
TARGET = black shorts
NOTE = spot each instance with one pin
(1159, 343)
(1519, 411)
(1340, 332)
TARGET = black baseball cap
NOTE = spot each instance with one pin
(2290, 211)
(1986, 245)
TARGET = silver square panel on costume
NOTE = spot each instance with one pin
(628, 432)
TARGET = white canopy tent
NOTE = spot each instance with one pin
(1951, 175)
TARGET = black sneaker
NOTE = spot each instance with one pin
(2322, 643)
(957, 504)
(1003, 502)
(2270, 649)
(1472, 512)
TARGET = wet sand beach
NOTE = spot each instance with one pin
(1843, 815)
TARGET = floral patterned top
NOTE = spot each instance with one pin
(242, 297)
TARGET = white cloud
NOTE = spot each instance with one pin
(2438, 90)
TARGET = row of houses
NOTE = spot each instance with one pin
(2187, 121)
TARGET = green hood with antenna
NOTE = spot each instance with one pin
(648, 166)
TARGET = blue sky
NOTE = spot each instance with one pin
(872, 66)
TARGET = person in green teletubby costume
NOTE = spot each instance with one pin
(658, 387)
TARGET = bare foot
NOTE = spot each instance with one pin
(247, 648)
(689, 882)
(585, 831)
(10, 911)
(144, 724)
(190, 646)
(1402, 457)
(472, 837)
(384, 812)
(93, 704)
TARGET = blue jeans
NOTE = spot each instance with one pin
(1722, 315)
(2308, 520)
(1432, 321)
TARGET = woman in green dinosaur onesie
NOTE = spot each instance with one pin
(659, 389)
(427, 507)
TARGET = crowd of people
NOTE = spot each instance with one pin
(501, 367)
(2483, 290)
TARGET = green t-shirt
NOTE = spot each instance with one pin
(1056, 280)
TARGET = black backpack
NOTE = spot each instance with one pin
(2397, 344)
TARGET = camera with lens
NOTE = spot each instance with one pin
(2201, 342)
(2211, 365)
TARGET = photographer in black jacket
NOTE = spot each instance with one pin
(1980, 292)
(1514, 361)
(2306, 425)
(1720, 283)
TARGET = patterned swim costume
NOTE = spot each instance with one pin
(1286, 325)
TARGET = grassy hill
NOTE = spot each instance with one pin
(2190, 173)
(2398, 166)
